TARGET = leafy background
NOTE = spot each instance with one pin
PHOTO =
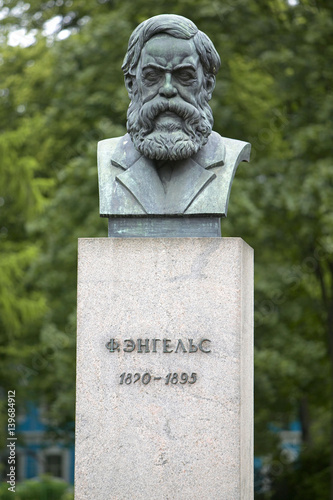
(65, 91)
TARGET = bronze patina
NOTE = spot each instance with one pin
(170, 174)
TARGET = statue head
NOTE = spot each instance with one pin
(169, 69)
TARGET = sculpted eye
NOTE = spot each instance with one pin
(151, 76)
(185, 75)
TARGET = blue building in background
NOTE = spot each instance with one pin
(36, 454)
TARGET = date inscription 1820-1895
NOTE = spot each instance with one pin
(146, 378)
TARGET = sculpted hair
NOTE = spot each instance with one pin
(178, 27)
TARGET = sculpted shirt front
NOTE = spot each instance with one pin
(130, 185)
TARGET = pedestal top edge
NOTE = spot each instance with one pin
(233, 240)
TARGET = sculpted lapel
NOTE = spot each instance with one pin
(142, 180)
(188, 179)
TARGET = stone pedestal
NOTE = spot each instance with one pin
(164, 369)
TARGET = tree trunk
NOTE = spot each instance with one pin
(327, 297)
(305, 421)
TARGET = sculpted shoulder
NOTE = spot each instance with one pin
(106, 147)
(236, 150)
(114, 156)
(120, 150)
(221, 155)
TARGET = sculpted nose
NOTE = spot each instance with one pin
(167, 89)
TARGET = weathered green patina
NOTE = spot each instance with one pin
(170, 164)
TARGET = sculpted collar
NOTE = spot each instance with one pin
(141, 179)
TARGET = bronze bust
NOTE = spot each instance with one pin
(170, 163)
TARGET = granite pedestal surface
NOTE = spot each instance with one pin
(164, 405)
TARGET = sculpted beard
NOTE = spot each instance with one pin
(172, 140)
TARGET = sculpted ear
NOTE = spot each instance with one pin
(210, 85)
(129, 80)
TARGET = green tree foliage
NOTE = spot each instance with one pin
(23, 194)
(59, 97)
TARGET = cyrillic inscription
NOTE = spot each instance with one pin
(167, 346)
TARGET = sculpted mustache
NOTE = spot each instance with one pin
(151, 110)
